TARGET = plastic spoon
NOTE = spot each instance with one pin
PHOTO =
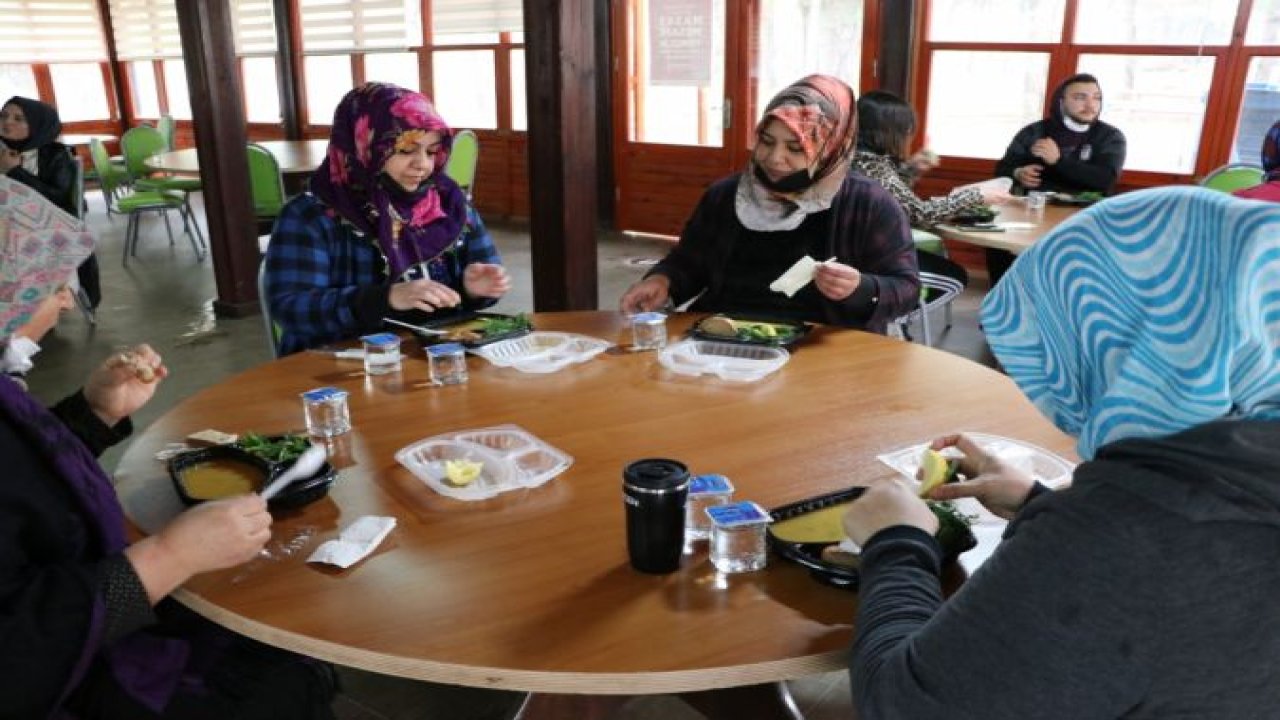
(307, 464)
(420, 330)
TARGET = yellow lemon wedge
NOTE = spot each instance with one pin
(462, 472)
(766, 329)
(820, 526)
(934, 471)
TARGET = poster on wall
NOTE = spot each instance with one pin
(680, 42)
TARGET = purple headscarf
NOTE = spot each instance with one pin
(1271, 153)
(368, 125)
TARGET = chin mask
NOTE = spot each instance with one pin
(795, 182)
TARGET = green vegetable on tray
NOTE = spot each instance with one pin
(277, 448)
(953, 525)
(1090, 196)
(765, 332)
(503, 325)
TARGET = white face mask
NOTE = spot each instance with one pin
(17, 355)
(1075, 126)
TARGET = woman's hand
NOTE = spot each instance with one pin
(124, 383)
(836, 281)
(998, 485)
(886, 504)
(486, 280)
(650, 293)
(425, 295)
(210, 536)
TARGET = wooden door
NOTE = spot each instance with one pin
(676, 107)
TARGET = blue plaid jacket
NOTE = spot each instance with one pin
(326, 281)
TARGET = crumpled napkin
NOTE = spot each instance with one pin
(352, 545)
(796, 276)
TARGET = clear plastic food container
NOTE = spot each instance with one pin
(542, 351)
(509, 458)
(727, 361)
(1046, 467)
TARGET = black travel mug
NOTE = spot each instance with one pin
(654, 491)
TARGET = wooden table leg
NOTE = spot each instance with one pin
(770, 701)
(545, 706)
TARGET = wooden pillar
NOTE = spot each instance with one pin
(217, 113)
(560, 67)
(897, 32)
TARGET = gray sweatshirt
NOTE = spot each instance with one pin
(1149, 589)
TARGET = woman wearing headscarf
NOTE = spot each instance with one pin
(87, 632)
(383, 230)
(31, 154)
(1148, 327)
(1269, 189)
(796, 199)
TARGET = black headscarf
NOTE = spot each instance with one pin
(42, 122)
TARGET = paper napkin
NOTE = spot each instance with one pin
(352, 545)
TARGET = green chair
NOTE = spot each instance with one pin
(142, 142)
(463, 158)
(266, 183)
(1232, 177)
(133, 203)
(167, 127)
(928, 242)
(77, 202)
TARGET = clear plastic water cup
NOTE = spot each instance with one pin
(648, 331)
(381, 353)
(447, 363)
(738, 536)
(1035, 204)
(325, 412)
(704, 491)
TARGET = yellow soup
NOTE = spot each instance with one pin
(221, 478)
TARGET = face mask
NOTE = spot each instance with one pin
(795, 182)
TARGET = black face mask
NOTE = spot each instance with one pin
(793, 183)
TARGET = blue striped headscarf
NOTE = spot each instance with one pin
(1144, 315)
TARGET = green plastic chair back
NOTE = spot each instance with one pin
(167, 127)
(138, 144)
(1230, 178)
(265, 182)
(110, 178)
(928, 242)
(463, 158)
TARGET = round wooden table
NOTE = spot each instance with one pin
(294, 156)
(532, 590)
(1014, 218)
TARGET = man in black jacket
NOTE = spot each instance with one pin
(1070, 151)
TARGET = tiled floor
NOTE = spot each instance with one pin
(164, 297)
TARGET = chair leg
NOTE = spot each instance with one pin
(130, 230)
(167, 228)
(191, 215)
(198, 248)
(924, 325)
(86, 307)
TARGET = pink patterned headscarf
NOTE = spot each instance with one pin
(368, 125)
(40, 248)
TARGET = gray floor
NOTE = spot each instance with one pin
(164, 297)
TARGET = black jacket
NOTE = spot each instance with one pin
(54, 178)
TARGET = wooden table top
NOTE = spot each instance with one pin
(531, 590)
(294, 156)
(75, 139)
(1014, 239)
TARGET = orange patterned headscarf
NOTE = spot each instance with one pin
(822, 111)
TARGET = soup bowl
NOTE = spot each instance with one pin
(223, 471)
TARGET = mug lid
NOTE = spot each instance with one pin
(656, 474)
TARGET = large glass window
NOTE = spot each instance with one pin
(17, 80)
(1159, 103)
(175, 84)
(261, 90)
(79, 91)
(1155, 22)
(805, 38)
(519, 99)
(328, 79)
(971, 116)
(466, 88)
(1264, 23)
(142, 82)
(678, 90)
(1010, 21)
(395, 68)
(1258, 111)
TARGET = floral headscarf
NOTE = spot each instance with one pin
(368, 126)
(1271, 153)
(1145, 315)
(40, 248)
(821, 111)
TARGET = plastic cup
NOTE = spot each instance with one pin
(738, 536)
(1035, 205)
(325, 411)
(447, 363)
(648, 331)
(704, 491)
(381, 353)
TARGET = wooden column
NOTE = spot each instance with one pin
(208, 50)
(897, 31)
(560, 67)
